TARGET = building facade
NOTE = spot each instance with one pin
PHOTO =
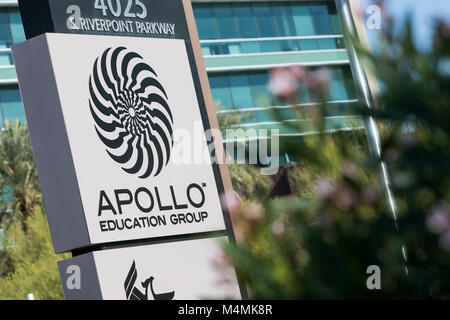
(241, 42)
(11, 32)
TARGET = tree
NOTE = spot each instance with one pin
(19, 183)
(246, 179)
(320, 244)
(27, 261)
(33, 263)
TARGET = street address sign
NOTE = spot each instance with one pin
(137, 18)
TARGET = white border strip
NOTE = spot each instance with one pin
(291, 134)
(6, 82)
(269, 123)
(333, 36)
(11, 66)
(271, 53)
(9, 3)
(276, 65)
(308, 104)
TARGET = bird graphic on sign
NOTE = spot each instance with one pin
(133, 293)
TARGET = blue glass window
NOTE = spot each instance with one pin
(225, 21)
(340, 44)
(213, 49)
(338, 90)
(321, 19)
(258, 84)
(251, 117)
(285, 22)
(265, 20)
(270, 46)
(250, 90)
(342, 86)
(206, 24)
(11, 107)
(349, 83)
(289, 45)
(308, 44)
(303, 21)
(234, 48)
(223, 49)
(220, 89)
(17, 31)
(206, 50)
(6, 58)
(245, 20)
(251, 47)
(286, 114)
(335, 23)
(264, 116)
(240, 90)
(327, 44)
(5, 32)
(303, 93)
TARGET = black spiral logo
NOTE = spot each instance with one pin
(131, 113)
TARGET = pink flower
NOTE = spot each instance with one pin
(408, 141)
(220, 261)
(369, 194)
(438, 220)
(278, 228)
(325, 188)
(283, 82)
(299, 72)
(253, 212)
(318, 80)
(348, 168)
(391, 155)
(231, 200)
(346, 198)
(222, 264)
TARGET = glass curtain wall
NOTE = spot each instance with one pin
(11, 32)
(248, 92)
(240, 28)
(11, 107)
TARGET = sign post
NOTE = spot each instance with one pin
(112, 90)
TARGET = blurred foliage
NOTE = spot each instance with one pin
(19, 184)
(27, 260)
(319, 244)
(332, 157)
(249, 183)
(246, 179)
(32, 262)
(229, 119)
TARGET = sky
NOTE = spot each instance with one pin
(422, 12)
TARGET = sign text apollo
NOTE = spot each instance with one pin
(105, 83)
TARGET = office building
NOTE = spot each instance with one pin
(241, 42)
